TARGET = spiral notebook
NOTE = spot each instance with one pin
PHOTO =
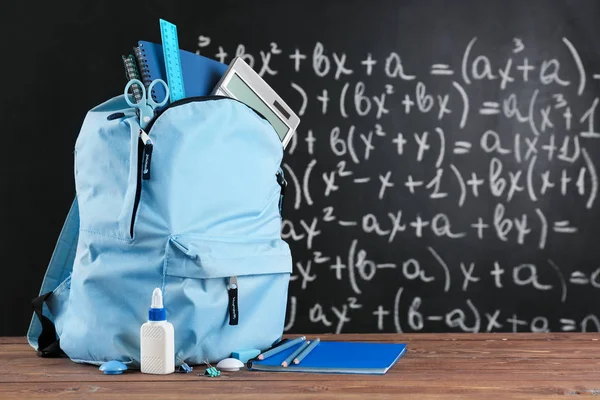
(200, 74)
(132, 72)
(337, 357)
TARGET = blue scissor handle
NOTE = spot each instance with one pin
(147, 104)
(142, 88)
(151, 101)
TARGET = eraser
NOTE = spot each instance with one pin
(245, 355)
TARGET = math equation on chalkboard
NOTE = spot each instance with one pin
(453, 193)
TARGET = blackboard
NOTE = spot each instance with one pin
(443, 177)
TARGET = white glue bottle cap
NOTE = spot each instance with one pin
(157, 301)
(157, 311)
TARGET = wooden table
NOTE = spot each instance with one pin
(448, 366)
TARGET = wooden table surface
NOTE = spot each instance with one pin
(447, 366)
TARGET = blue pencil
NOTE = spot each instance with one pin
(306, 351)
(292, 356)
(280, 348)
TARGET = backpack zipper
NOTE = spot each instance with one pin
(198, 99)
(146, 154)
(145, 147)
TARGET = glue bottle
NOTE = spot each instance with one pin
(157, 340)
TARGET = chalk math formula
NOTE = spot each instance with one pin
(455, 195)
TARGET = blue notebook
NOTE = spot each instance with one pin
(200, 74)
(338, 357)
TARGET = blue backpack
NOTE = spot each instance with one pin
(196, 212)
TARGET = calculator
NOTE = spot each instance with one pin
(241, 82)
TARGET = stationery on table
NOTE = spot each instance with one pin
(281, 347)
(334, 357)
(294, 356)
(305, 351)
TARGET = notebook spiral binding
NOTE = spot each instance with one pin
(131, 72)
(140, 55)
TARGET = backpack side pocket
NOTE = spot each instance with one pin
(106, 165)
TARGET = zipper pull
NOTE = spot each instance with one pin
(146, 155)
(232, 289)
(283, 185)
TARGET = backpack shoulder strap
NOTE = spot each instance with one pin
(42, 334)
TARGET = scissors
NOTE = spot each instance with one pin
(146, 105)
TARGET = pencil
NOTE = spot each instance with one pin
(280, 348)
(292, 356)
(306, 351)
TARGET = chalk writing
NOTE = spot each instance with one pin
(417, 188)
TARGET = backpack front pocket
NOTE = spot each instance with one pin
(223, 296)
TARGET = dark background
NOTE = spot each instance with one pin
(59, 59)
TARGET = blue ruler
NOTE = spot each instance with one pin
(170, 45)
